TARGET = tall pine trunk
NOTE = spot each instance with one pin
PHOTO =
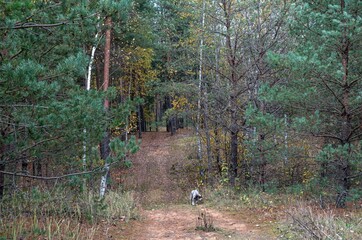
(105, 150)
(346, 117)
(231, 59)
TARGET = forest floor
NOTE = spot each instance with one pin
(162, 177)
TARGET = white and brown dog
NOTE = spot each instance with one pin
(195, 197)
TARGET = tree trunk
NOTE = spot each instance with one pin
(233, 171)
(139, 119)
(98, 74)
(199, 100)
(171, 123)
(262, 162)
(217, 79)
(233, 78)
(217, 146)
(37, 168)
(24, 166)
(234, 141)
(2, 180)
(157, 111)
(346, 117)
(105, 150)
(207, 135)
(286, 140)
(3, 150)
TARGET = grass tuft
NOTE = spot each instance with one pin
(205, 222)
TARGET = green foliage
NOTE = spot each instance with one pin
(118, 8)
(120, 149)
(321, 86)
(44, 108)
(48, 117)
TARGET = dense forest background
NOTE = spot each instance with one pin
(272, 90)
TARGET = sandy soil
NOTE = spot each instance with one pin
(180, 222)
(165, 212)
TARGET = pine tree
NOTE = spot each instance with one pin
(43, 65)
(323, 88)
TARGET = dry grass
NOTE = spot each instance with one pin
(40, 228)
(63, 215)
(205, 222)
(307, 222)
(233, 200)
(293, 217)
(121, 206)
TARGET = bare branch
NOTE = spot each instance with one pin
(51, 178)
(354, 176)
(23, 105)
(323, 135)
(35, 25)
(334, 94)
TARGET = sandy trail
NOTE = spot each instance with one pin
(165, 212)
(179, 222)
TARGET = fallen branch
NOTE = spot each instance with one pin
(303, 225)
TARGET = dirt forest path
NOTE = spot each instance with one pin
(165, 211)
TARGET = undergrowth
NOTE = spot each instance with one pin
(298, 218)
(308, 222)
(252, 199)
(61, 213)
(45, 228)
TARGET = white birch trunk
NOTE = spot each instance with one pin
(198, 119)
(88, 83)
(103, 187)
(286, 139)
